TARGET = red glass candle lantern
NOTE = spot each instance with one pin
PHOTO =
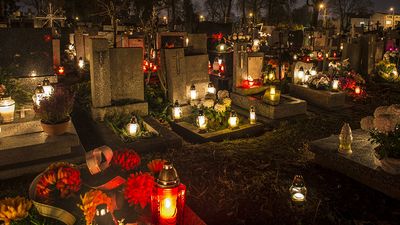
(168, 198)
(222, 69)
(60, 70)
(357, 90)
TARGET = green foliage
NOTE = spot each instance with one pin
(12, 88)
(118, 122)
(388, 144)
(56, 108)
(158, 103)
(216, 120)
(82, 95)
(385, 69)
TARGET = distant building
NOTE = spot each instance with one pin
(386, 20)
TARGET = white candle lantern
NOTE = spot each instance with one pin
(300, 75)
(39, 94)
(81, 63)
(313, 71)
(7, 109)
(133, 127)
(201, 121)
(177, 111)
(211, 89)
(335, 85)
(233, 120)
(306, 76)
(252, 116)
(193, 92)
(298, 190)
(295, 57)
(47, 88)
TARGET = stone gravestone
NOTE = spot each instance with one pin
(116, 74)
(100, 72)
(127, 79)
(198, 42)
(56, 52)
(380, 45)
(197, 74)
(86, 39)
(176, 74)
(79, 45)
(368, 50)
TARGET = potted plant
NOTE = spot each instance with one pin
(55, 111)
(388, 150)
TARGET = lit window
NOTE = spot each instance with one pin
(388, 22)
(362, 23)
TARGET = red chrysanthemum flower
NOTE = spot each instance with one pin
(138, 189)
(127, 159)
(156, 165)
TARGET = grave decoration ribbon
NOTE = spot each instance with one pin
(99, 159)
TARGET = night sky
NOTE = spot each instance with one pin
(379, 5)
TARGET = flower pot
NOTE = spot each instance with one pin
(390, 165)
(55, 129)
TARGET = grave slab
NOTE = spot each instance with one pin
(321, 98)
(35, 146)
(190, 133)
(250, 91)
(360, 165)
(139, 108)
(165, 139)
(19, 127)
(288, 107)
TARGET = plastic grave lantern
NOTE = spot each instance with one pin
(168, 197)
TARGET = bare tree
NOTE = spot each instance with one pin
(112, 9)
(219, 10)
(344, 9)
(315, 4)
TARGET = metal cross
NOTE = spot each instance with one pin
(52, 16)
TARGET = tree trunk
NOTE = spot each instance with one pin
(228, 11)
(115, 30)
(173, 19)
(269, 11)
(243, 12)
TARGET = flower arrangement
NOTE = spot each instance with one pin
(126, 159)
(384, 128)
(59, 180)
(155, 166)
(138, 189)
(217, 112)
(387, 69)
(319, 82)
(388, 142)
(90, 201)
(118, 122)
(56, 108)
(12, 209)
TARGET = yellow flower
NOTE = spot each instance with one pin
(14, 209)
(227, 102)
(90, 201)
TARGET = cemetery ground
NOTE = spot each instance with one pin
(246, 181)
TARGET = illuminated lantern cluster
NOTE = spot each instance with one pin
(149, 67)
(168, 197)
(335, 85)
(217, 66)
(250, 82)
(298, 190)
(7, 109)
(103, 215)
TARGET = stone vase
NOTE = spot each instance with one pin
(55, 129)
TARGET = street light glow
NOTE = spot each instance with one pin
(321, 6)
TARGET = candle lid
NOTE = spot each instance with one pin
(6, 101)
(46, 82)
(168, 177)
